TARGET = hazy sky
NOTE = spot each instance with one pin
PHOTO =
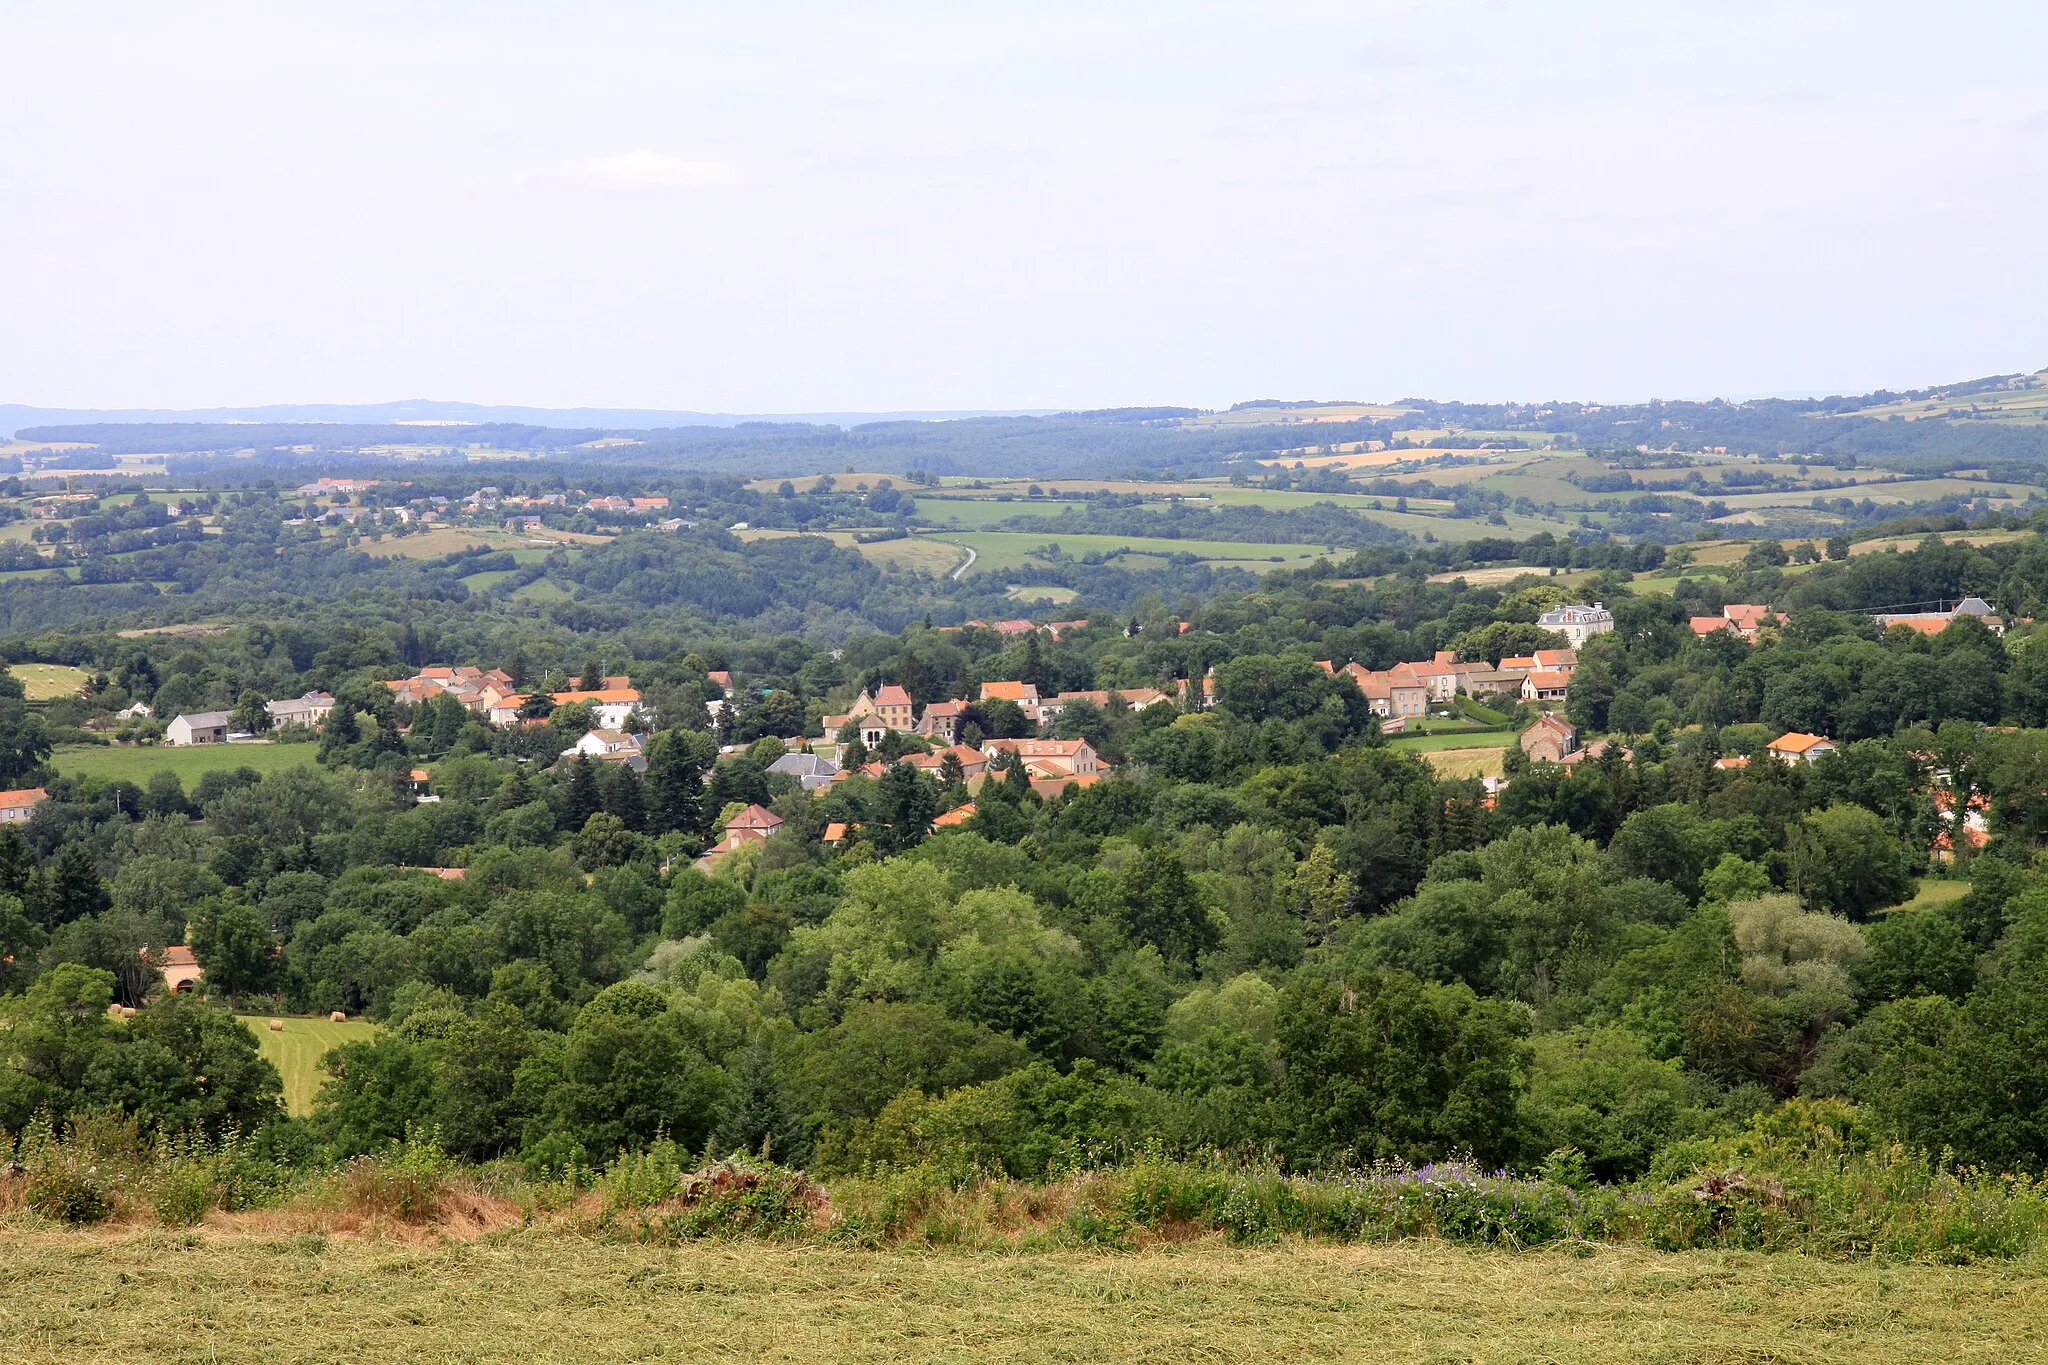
(784, 207)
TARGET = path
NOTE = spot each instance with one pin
(966, 564)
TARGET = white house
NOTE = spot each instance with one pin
(1577, 622)
(309, 710)
(201, 727)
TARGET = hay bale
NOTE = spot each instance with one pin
(277, 1026)
(338, 1017)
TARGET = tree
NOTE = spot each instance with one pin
(1388, 1067)
(72, 887)
(757, 1117)
(251, 715)
(1162, 907)
(676, 761)
(581, 798)
(908, 804)
(1843, 861)
(234, 947)
(24, 745)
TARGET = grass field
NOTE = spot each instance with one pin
(47, 682)
(1003, 551)
(971, 514)
(535, 1296)
(1454, 739)
(296, 1052)
(1043, 592)
(134, 763)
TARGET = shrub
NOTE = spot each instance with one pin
(741, 1197)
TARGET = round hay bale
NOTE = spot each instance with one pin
(338, 1017)
(127, 1011)
(277, 1026)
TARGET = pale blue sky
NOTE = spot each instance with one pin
(784, 207)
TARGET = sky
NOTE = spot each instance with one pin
(783, 207)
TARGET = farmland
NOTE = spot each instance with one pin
(47, 682)
(245, 1290)
(138, 763)
(446, 540)
(296, 1051)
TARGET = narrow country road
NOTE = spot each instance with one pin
(967, 563)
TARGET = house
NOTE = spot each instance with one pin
(181, 970)
(609, 705)
(1136, 698)
(1741, 619)
(894, 706)
(1393, 692)
(1557, 660)
(1731, 764)
(1973, 831)
(1015, 627)
(973, 762)
(1518, 664)
(1578, 622)
(201, 727)
(1545, 685)
(1057, 757)
(1800, 748)
(1023, 693)
(722, 680)
(1553, 739)
(308, 710)
(1934, 622)
(834, 835)
(601, 743)
(754, 825)
(1054, 785)
(1439, 675)
(870, 726)
(942, 720)
(810, 771)
(16, 807)
(955, 817)
(1481, 682)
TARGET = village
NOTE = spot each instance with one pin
(945, 739)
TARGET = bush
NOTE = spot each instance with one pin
(741, 1197)
(407, 1182)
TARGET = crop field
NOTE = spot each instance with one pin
(296, 1051)
(1507, 573)
(1308, 412)
(138, 763)
(1463, 763)
(47, 682)
(217, 1294)
(446, 540)
(2029, 404)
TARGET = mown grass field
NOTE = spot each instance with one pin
(137, 764)
(47, 682)
(534, 1296)
(296, 1052)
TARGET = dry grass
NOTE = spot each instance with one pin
(1487, 762)
(46, 682)
(371, 1294)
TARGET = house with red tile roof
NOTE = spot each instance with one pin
(1798, 747)
(17, 806)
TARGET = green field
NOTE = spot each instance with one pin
(47, 682)
(296, 1052)
(541, 590)
(1459, 739)
(1003, 551)
(971, 514)
(136, 763)
(259, 1289)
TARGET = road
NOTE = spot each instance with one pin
(966, 564)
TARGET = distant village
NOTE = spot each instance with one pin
(884, 726)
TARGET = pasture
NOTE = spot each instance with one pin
(1463, 763)
(260, 1288)
(297, 1050)
(47, 682)
(137, 763)
(1006, 551)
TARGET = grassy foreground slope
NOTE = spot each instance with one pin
(543, 1296)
